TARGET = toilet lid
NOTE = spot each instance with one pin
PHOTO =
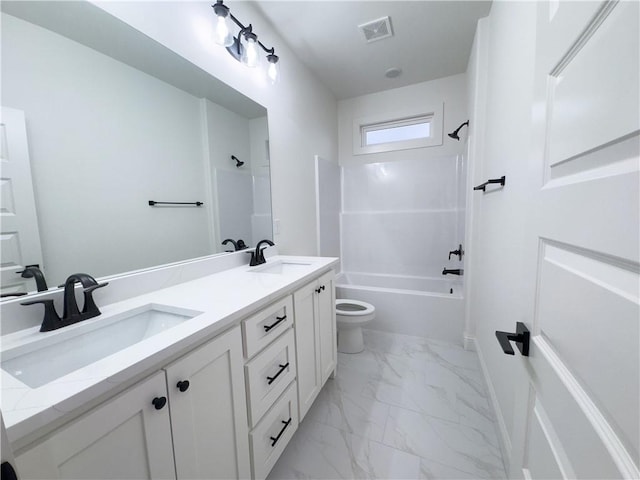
(353, 307)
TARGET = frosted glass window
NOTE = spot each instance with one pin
(398, 134)
(396, 131)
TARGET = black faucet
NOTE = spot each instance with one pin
(33, 271)
(71, 313)
(239, 245)
(459, 252)
(455, 271)
(257, 257)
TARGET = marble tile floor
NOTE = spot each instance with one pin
(405, 408)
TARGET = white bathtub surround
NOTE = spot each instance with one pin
(406, 407)
(400, 217)
(409, 305)
(400, 220)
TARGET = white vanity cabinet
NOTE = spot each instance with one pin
(316, 345)
(225, 409)
(125, 437)
(131, 437)
(208, 410)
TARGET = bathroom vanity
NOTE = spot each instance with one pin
(204, 379)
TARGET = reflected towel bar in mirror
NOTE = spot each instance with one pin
(153, 203)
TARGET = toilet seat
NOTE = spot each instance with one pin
(353, 308)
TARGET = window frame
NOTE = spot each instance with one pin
(363, 125)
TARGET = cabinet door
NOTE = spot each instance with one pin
(326, 299)
(307, 346)
(209, 418)
(126, 437)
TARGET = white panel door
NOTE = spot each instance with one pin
(20, 236)
(578, 415)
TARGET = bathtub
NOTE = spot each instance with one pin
(422, 306)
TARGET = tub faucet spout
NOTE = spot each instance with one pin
(454, 271)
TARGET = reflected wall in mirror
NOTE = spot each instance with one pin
(113, 120)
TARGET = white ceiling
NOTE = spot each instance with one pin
(432, 39)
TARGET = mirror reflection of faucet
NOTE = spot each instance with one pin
(33, 271)
(239, 245)
(71, 313)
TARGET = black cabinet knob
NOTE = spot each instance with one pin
(159, 402)
(183, 385)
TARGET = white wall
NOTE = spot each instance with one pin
(72, 96)
(450, 90)
(302, 112)
(502, 62)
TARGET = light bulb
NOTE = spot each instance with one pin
(273, 71)
(222, 34)
(250, 55)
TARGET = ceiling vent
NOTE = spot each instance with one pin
(376, 29)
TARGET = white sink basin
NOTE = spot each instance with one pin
(63, 351)
(279, 267)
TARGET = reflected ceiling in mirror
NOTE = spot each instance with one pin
(113, 120)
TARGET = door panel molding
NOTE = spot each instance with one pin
(607, 436)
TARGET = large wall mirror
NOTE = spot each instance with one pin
(114, 120)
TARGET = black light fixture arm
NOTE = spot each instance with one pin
(243, 30)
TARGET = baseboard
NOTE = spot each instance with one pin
(469, 343)
(503, 434)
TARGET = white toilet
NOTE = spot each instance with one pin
(351, 316)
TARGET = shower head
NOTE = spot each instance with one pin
(238, 162)
(454, 134)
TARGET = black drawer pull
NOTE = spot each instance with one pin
(275, 440)
(320, 288)
(159, 402)
(183, 385)
(278, 320)
(282, 369)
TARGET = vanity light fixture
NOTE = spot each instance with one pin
(247, 52)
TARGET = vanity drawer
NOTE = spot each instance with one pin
(263, 327)
(269, 374)
(273, 433)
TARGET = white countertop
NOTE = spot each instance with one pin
(224, 298)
